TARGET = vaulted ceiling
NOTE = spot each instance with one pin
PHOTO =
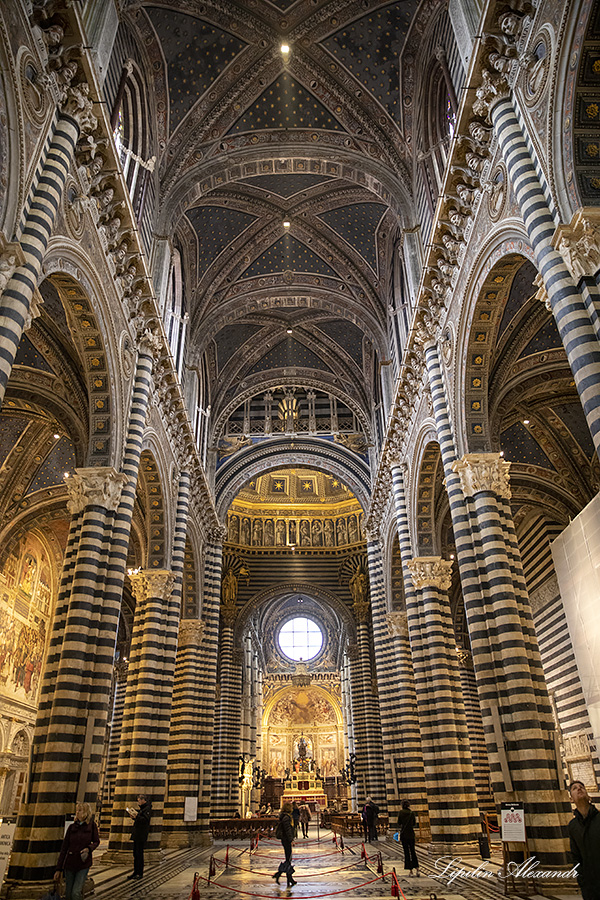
(252, 137)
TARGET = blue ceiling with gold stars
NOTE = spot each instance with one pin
(286, 104)
(521, 447)
(289, 352)
(572, 416)
(289, 254)
(61, 459)
(30, 356)
(216, 227)
(547, 338)
(370, 48)
(285, 185)
(230, 338)
(347, 335)
(195, 52)
(357, 224)
(521, 290)
(11, 429)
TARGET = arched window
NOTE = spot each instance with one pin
(174, 314)
(130, 122)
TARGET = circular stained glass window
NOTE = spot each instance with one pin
(300, 639)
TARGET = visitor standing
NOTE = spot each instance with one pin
(295, 818)
(75, 859)
(139, 833)
(285, 833)
(406, 827)
(369, 817)
(305, 818)
(584, 833)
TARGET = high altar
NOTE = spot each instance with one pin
(303, 782)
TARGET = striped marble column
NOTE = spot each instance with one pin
(453, 810)
(515, 702)
(357, 731)
(68, 744)
(114, 743)
(370, 753)
(228, 720)
(192, 718)
(481, 765)
(142, 764)
(412, 656)
(568, 306)
(184, 760)
(16, 298)
(403, 760)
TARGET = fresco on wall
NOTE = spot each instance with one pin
(302, 708)
(25, 607)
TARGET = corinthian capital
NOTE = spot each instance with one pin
(96, 486)
(431, 571)
(217, 534)
(483, 472)
(397, 623)
(191, 632)
(229, 614)
(579, 243)
(156, 583)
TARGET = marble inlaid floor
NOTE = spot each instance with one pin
(321, 870)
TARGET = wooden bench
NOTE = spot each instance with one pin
(350, 824)
(242, 829)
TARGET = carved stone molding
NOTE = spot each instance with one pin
(546, 593)
(542, 293)
(397, 623)
(216, 535)
(352, 652)
(11, 256)
(35, 309)
(237, 656)
(191, 632)
(483, 472)
(431, 571)
(121, 669)
(149, 583)
(465, 658)
(95, 486)
(579, 242)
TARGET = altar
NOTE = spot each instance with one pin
(303, 782)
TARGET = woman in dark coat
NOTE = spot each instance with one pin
(76, 852)
(285, 833)
(406, 827)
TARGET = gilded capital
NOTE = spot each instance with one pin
(229, 614)
(361, 611)
(483, 472)
(430, 571)
(190, 632)
(95, 486)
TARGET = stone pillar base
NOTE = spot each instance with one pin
(178, 840)
(444, 848)
(33, 890)
(125, 857)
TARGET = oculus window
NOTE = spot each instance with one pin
(300, 639)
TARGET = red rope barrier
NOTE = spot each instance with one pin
(320, 856)
(195, 894)
(304, 875)
(298, 896)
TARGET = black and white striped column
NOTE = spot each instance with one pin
(18, 294)
(228, 720)
(568, 306)
(453, 809)
(142, 762)
(69, 740)
(404, 774)
(513, 700)
(412, 651)
(114, 742)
